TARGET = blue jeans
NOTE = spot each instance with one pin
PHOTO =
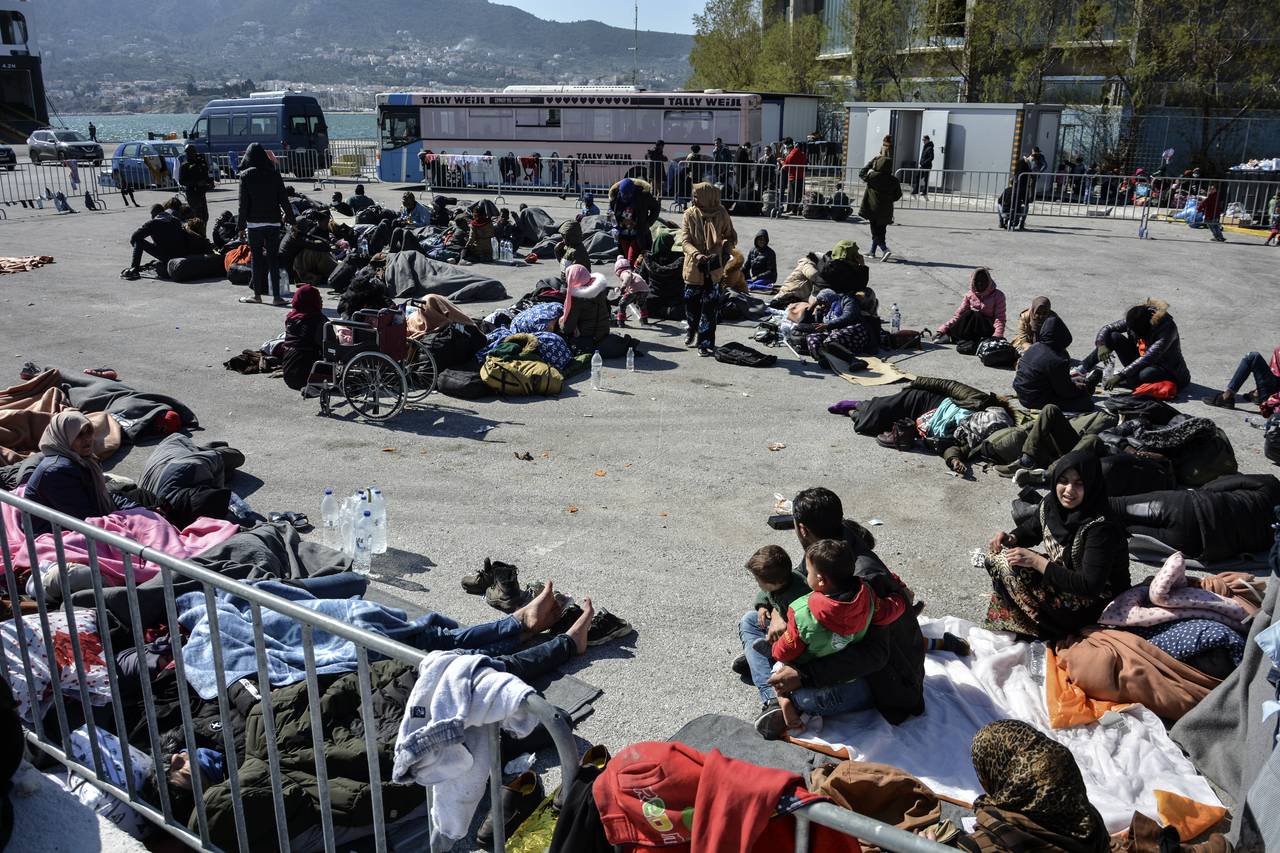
(1268, 383)
(501, 638)
(750, 631)
(702, 311)
(838, 699)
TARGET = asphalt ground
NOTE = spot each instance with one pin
(650, 495)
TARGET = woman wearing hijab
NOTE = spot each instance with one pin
(708, 237)
(1035, 797)
(981, 314)
(1085, 562)
(303, 336)
(69, 478)
(883, 189)
(1030, 321)
(839, 322)
(263, 205)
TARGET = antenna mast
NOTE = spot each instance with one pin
(635, 50)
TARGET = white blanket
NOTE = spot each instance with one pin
(1123, 763)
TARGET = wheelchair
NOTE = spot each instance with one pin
(372, 362)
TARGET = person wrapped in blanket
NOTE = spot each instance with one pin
(1084, 566)
(539, 320)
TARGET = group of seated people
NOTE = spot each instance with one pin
(172, 231)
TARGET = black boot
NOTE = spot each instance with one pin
(520, 797)
(505, 593)
(476, 584)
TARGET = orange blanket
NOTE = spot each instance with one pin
(27, 408)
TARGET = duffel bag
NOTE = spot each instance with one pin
(516, 378)
(196, 267)
(997, 352)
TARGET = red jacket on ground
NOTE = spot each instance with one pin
(670, 797)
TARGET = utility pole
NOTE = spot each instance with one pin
(635, 49)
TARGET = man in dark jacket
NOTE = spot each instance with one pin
(162, 237)
(263, 205)
(193, 174)
(921, 182)
(1161, 359)
(762, 261)
(635, 208)
(1044, 372)
(359, 201)
(890, 658)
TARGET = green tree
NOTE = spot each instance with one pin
(726, 46)
(788, 60)
(880, 35)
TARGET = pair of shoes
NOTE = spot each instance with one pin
(1220, 401)
(771, 724)
(520, 798)
(499, 583)
(605, 627)
(1027, 477)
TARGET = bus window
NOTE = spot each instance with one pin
(728, 126)
(399, 126)
(219, 127)
(637, 125)
(298, 125)
(687, 126)
(488, 123)
(535, 117)
(603, 123)
(265, 125)
(240, 125)
(445, 123)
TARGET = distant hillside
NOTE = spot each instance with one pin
(461, 42)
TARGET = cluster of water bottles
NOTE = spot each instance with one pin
(357, 526)
(502, 249)
(597, 368)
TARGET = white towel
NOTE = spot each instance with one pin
(441, 743)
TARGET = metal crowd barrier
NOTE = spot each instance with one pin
(33, 186)
(73, 703)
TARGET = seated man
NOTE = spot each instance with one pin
(162, 237)
(338, 205)
(359, 201)
(890, 657)
(1266, 379)
(412, 213)
(1161, 359)
(1044, 372)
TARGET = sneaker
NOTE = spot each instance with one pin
(476, 584)
(520, 798)
(942, 339)
(1220, 401)
(605, 627)
(1027, 477)
(886, 256)
(706, 352)
(131, 274)
(30, 370)
(771, 724)
(741, 667)
(689, 338)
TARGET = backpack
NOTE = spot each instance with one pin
(237, 254)
(904, 339)
(744, 356)
(997, 352)
(1271, 438)
(452, 345)
(815, 206)
(519, 378)
(464, 384)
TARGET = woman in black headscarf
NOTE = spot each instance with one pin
(1035, 796)
(1085, 564)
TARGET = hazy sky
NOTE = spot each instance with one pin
(675, 16)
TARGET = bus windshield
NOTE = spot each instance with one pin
(399, 126)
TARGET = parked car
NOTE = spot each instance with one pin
(148, 164)
(8, 158)
(59, 145)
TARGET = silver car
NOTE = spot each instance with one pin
(60, 145)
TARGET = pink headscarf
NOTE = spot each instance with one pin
(621, 264)
(580, 281)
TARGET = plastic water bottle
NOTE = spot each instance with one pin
(1256, 421)
(378, 505)
(1108, 369)
(597, 372)
(631, 359)
(329, 513)
(362, 554)
(494, 251)
(895, 319)
(505, 252)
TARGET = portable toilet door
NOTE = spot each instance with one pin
(880, 123)
(934, 126)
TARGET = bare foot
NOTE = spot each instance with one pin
(790, 713)
(541, 613)
(578, 631)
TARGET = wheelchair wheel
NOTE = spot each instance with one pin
(421, 370)
(374, 385)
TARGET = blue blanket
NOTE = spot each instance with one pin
(282, 636)
(1187, 638)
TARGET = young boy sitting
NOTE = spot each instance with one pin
(836, 614)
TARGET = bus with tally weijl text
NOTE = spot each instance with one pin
(594, 124)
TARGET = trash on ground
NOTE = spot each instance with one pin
(523, 457)
(777, 445)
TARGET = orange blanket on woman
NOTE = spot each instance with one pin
(27, 408)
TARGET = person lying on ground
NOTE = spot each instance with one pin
(1056, 594)
(1148, 345)
(411, 213)
(1035, 797)
(337, 203)
(1044, 372)
(162, 237)
(762, 261)
(835, 615)
(1029, 322)
(635, 291)
(981, 314)
(890, 657)
(1266, 380)
(69, 478)
(1223, 519)
(303, 336)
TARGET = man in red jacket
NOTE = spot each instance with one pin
(793, 169)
